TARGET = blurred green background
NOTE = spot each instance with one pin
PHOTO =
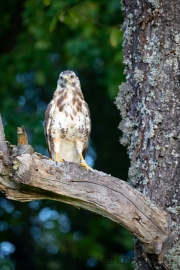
(39, 39)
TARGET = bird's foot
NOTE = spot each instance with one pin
(83, 164)
(58, 160)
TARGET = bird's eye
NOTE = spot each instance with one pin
(61, 77)
(72, 76)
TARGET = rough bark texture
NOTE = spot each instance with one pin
(29, 176)
(150, 108)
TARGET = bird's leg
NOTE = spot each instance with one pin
(84, 164)
(56, 150)
(79, 147)
(58, 160)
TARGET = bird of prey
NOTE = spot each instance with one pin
(67, 123)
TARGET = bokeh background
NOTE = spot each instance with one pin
(39, 39)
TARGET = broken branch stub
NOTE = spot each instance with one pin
(22, 135)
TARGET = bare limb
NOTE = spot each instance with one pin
(31, 176)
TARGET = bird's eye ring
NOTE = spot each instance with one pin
(72, 76)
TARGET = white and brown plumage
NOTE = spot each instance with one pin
(67, 122)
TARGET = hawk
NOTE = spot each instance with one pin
(67, 123)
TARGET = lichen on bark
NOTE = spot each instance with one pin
(149, 101)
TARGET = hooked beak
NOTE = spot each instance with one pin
(66, 79)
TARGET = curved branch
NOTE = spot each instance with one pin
(33, 176)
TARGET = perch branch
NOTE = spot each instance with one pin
(31, 176)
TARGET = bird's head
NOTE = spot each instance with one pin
(68, 78)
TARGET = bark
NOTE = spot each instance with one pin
(30, 176)
(149, 102)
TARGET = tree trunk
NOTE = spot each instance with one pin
(149, 102)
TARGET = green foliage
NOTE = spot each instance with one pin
(41, 39)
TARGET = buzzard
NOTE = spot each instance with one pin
(67, 122)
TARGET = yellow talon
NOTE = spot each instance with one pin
(58, 160)
(83, 163)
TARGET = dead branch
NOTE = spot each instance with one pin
(30, 176)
